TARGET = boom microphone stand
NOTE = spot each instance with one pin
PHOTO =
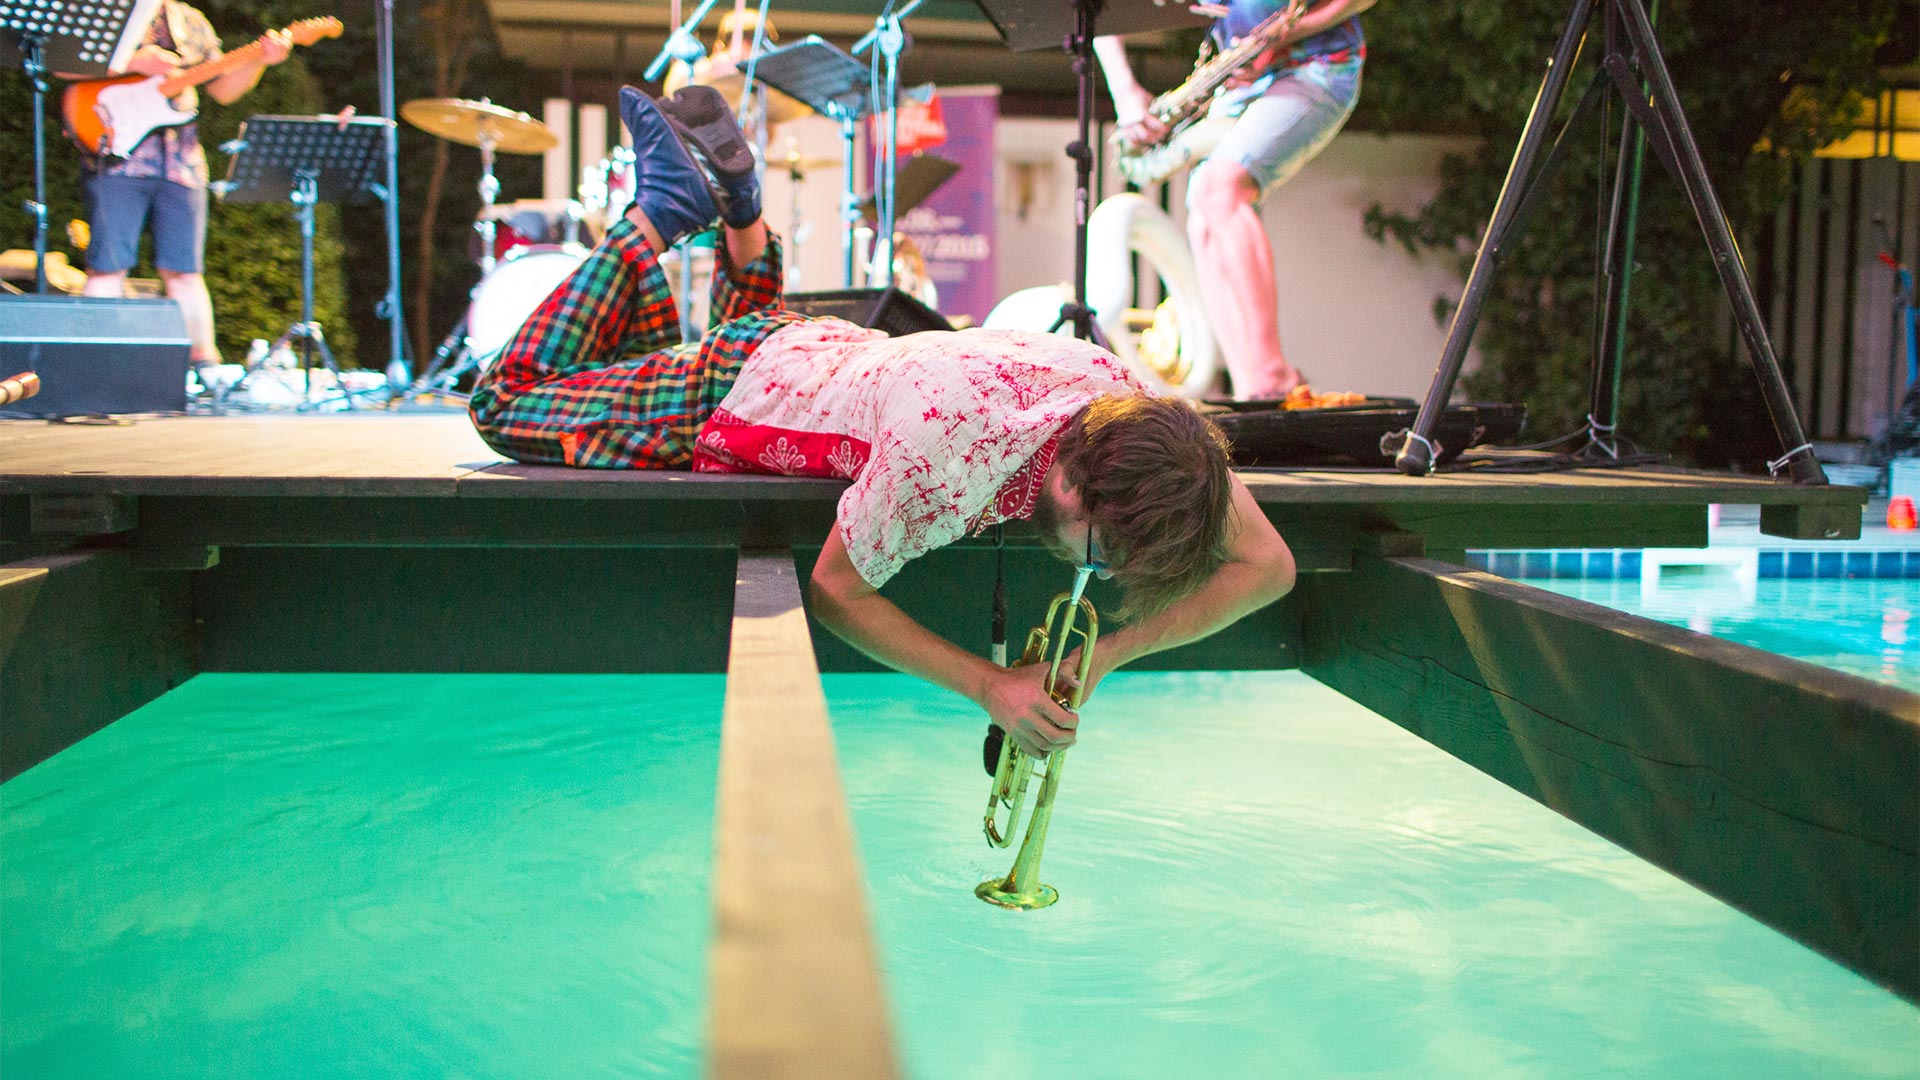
(1654, 107)
(399, 371)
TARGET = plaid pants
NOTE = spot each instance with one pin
(597, 376)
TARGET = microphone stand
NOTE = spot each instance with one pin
(399, 369)
(891, 37)
(681, 45)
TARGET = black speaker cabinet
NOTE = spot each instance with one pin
(883, 309)
(95, 354)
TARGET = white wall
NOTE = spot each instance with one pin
(1354, 314)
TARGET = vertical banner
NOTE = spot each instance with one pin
(954, 227)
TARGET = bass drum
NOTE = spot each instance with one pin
(509, 295)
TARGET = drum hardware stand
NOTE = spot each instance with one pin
(835, 85)
(305, 160)
(1656, 109)
(79, 47)
(489, 191)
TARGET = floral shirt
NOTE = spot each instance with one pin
(941, 433)
(173, 153)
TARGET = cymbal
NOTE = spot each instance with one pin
(780, 107)
(470, 122)
(796, 163)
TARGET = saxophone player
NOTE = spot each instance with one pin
(1278, 112)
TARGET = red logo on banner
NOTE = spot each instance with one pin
(922, 126)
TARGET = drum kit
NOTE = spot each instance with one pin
(525, 248)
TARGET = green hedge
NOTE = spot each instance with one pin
(1474, 66)
(253, 251)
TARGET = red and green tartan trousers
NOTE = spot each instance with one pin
(598, 376)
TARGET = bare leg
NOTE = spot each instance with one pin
(114, 284)
(746, 245)
(647, 232)
(190, 292)
(1235, 264)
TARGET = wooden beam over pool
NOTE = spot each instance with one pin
(1788, 790)
(795, 992)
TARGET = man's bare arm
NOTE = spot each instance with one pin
(857, 614)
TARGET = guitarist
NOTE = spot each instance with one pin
(1278, 112)
(164, 179)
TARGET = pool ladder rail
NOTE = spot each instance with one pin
(1021, 888)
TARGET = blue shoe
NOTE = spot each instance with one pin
(707, 127)
(669, 186)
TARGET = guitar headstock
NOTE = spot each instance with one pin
(308, 31)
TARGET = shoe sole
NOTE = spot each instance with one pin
(706, 126)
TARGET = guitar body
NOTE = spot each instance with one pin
(109, 117)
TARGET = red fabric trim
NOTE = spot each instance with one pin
(1015, 499)
(731, 445)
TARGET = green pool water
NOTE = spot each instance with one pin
(1260, 878)
(366, 876)
(493, 876)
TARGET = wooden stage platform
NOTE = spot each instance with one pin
(341, 479)
(133, 556)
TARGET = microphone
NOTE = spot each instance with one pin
(19, 387)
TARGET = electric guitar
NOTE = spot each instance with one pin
(109, 117)
(1182, 107)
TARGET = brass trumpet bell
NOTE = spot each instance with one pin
(1021, 888)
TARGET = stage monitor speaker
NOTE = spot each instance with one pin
(882, 309)
(95, 354)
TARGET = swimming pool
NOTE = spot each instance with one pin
(431, 875)
(1260, 878)
(366, 875)
(1862, 626)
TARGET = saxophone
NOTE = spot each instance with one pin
(1179, 108)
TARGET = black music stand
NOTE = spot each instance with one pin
(304, 160)
(1038, 24)
(919, 179)
(1634, 67)
(73, 37)
(835, 85)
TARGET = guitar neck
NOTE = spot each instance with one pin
(212, 69)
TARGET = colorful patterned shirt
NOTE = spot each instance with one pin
(173, 153)
(942, 434)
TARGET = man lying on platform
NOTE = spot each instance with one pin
(942, 434)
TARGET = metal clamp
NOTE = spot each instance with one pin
(1774, 467)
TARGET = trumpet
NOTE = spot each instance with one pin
(1021, 888)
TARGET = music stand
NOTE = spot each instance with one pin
(73, 37)
(919, 179)
(1035, 24)
(835, 85)
(305, 160)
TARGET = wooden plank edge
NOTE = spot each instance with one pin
(794, 986)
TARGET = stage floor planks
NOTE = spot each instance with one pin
(378, 453)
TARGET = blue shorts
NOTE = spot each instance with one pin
(118, 208)
(1279, 128)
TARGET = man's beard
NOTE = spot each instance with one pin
(1047, 519)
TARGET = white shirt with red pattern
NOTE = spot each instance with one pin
(941, 433)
